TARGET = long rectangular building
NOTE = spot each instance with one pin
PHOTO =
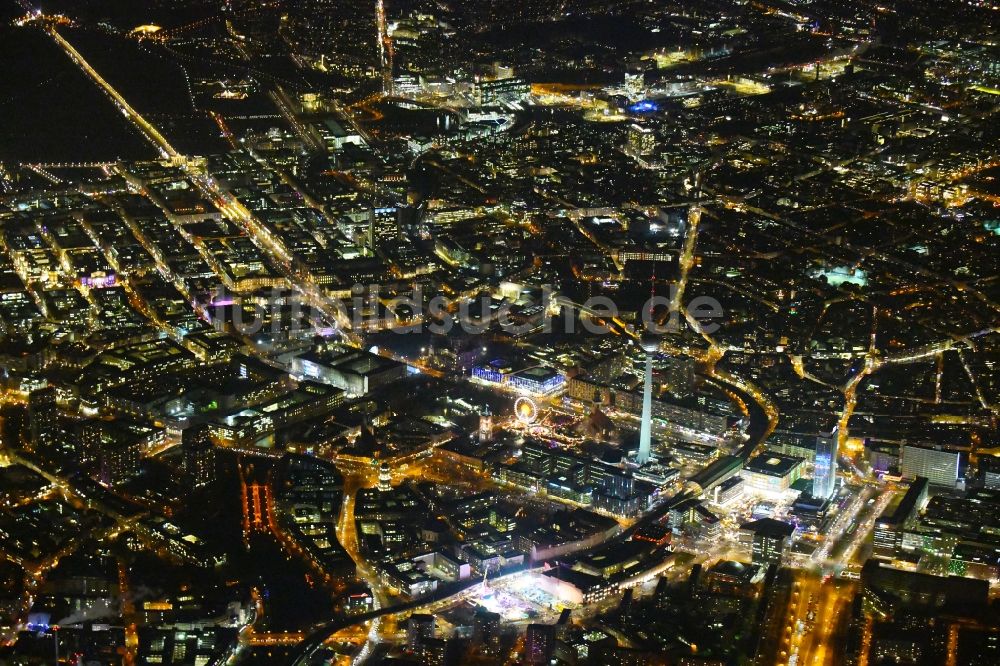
(888, 533)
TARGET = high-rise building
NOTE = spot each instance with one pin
(440, 652)
(43, 420)
(649, 345)
(825, 470)
(887, 535)
(119, 461)
(88, 437)
(677, 372)
(370, 233)
(199, 455)
(493, 91)
(989, 472)
(768, 540)
(539, 644)
(486, 630)
(940, 466)
(641, 140)
(419, 628)
(635, 85)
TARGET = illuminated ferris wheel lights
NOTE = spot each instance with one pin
(526, 410)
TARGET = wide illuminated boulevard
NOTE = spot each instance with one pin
(513, 333)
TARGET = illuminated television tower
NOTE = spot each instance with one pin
(650, 345)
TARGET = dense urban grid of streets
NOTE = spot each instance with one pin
(514, 332)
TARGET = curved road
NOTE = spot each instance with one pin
(321, 632)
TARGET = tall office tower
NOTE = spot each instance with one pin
(650, 345)
(419, 628)
(385, 47)
(539, 644)
(641, 140)
(486, 630)
(43, 420)
(370, 233)
(887, 536)
(119, 461)
(635, 85)
(199, 455)
(989, 472)
(768, 540)
(825, 472)
(88, 439)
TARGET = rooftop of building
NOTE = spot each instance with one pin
(773, 464)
